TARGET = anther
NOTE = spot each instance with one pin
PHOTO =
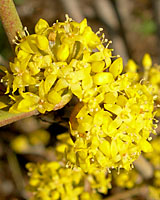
(150, 138)
(109, 42)
(14, 41)
(26, 31)
(96, 109)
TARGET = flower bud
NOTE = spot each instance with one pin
(147, 61)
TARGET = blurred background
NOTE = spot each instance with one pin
(134, 28)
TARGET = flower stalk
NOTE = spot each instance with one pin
(10, 19)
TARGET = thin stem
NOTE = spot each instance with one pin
(10, 19)
(138, 191)
(12, 117)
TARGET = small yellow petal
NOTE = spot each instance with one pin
(116, 109)
(77, 90)
(98, 66)
(41, 26)
(55, 195)
(22, 55)
(105, 147)
(41, 89)
(110, 98)
(63, 52)
(103, 78)
(102, 160)
(114, 124)
(42, 42)
(61, 84)
(53, 97)
(114, 149)
(97, 56)
(48, 83)
(146, 146)
(83, 25)
(116, 67)
(26, 77)
(121, 100)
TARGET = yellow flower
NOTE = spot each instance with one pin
(111, 126)
(7, 80)
(107, 128)
(51, 180)
(126, 179)
(20, 144)
(45, 99)
(132, 70)
(54, 62)
(150, 77)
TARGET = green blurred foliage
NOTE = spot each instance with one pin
(18, 2)
(147, 27)
(5, 49)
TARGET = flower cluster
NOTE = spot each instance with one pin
(53, 181)
(150, 76)
(154, 190)
(31, 142)
(55, 63)
(133, 178)
(111, 124)
(154, 159)
(97, 178)
(126, 179)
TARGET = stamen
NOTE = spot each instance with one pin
(26, 31)
(109, 42)
(68, 19)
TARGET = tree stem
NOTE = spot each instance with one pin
(10, 19)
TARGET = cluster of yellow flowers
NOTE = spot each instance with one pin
(52, 64)
(111, 124)
(132, 178)
(53, 181)
(154, 159)
(108, 131)
(126, 179)
(149, 76)
(28, 143)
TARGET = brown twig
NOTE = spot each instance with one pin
(16, 117)
(3, 61)
(144, 167)
(73, 9)
(143, 191)
(107, 15)
(10, 19)
(15, 170)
